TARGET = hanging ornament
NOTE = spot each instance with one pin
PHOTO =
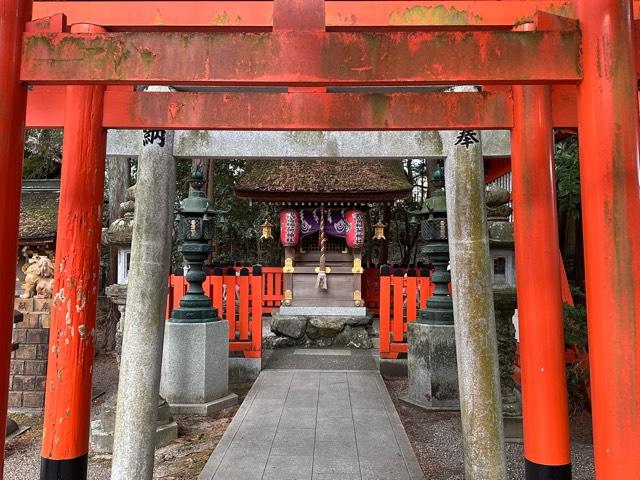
(378, 231)
(289, 228)
(355, 228)
(267, 230)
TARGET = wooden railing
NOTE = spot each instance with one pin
(237, 294)
(272, 288)
(402, 294)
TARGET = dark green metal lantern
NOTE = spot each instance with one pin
(433, 230)
(194, 229)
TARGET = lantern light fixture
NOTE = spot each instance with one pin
(378, 231)
(267, 230)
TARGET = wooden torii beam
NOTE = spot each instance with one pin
(340, 15)
(489, 110)
(302, 58)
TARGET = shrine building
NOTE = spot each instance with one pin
(323, 207)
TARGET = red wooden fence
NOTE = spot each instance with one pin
(244, 312)
(401, 296)
(273, 291)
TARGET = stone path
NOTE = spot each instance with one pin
(315, 424)
(319, 359)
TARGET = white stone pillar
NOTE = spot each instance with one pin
(476, 345)
(137, 407)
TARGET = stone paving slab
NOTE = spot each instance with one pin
(315, 425)
(319, 359)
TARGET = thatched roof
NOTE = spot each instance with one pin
(335, 179)
(39, 212)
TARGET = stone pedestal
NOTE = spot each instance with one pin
(195, 367)
(117, 293)
(433, 375)
(103, 426)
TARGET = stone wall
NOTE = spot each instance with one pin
(29, 361)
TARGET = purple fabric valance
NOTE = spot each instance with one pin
(334, 222)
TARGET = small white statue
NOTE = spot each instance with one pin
(38, 280)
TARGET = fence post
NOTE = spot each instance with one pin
(230, 301)
(243, 302)
(397, 322)
(256, 313)
(385, 310)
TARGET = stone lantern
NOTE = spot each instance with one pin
(433, 230)
(195, 360)
(431, 356)
(194, 228)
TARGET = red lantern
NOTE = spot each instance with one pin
(289, 228)
(355, 228)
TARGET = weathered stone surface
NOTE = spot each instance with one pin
(501, 233)
(195, 363)
(477, 352)
(353, 337)
(102, 427)
(500, 212)
(432, 368)
(359, 321)
(290, 326)
(246, 144)
(496, 196)
(136, 412)
(312, 332)
(274, 341)
(504, 300)
(328, 326)
(322, 342)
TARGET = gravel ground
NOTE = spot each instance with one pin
(182, 460)
(436, 439)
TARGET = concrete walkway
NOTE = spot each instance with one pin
(315, 424)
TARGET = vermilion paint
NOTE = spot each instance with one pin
(302, 58)
(13, 103)
(257, 15)
(539, 286)
(608, 129)
(65, 440)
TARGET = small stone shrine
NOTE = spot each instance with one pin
(323, 228)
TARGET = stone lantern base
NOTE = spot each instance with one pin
(432, 367)
(195, 367)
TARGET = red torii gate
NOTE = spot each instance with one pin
(361, 45)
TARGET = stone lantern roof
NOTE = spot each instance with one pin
(318, 180)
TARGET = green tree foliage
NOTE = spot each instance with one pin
(568, 176)
(238, 231)
(42, 153)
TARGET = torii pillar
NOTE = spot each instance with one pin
(13, 107)
(608, 128)
(65, 442)
(544, 388)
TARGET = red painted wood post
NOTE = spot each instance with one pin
(411, 297)
(218, 291)
(540, 315)
(608, 128)
(13, 104)
(243, 307)
(397, 323)
(65, 440)
(230, 301)
(385, 311)
(256, 313)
